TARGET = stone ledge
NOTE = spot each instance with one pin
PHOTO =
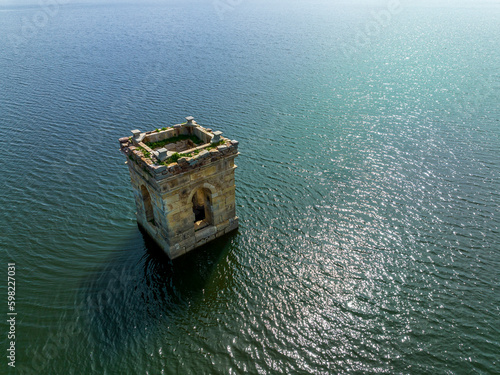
(150, 158)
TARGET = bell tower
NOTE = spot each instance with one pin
(183, 182)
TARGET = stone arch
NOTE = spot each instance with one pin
(148, 205)
(201, 200)
(210, 187)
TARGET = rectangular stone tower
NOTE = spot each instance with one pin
(183, 182)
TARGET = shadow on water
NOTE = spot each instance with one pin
(137, 291)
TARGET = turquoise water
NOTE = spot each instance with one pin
(367, 187)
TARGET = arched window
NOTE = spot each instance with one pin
(148, 207)
(202, 208)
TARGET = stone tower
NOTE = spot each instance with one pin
(183, 182)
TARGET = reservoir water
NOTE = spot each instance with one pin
(368, 187)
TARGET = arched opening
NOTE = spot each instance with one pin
(148, 207)
(202, 208)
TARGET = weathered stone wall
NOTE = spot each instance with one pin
(176, 130)
(171, 189)
(203, 134)
(218, 180)
(180, 146)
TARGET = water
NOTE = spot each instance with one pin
(367, 188)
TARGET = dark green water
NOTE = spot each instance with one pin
(368, 188)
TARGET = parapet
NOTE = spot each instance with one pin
(176, 149)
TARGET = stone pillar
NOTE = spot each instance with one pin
(216, 137)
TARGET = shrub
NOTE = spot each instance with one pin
(146, 154)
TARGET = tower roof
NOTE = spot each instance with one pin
(176, 149)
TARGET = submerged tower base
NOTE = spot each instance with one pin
(183, 182)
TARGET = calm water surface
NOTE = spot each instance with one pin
(368, 188)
